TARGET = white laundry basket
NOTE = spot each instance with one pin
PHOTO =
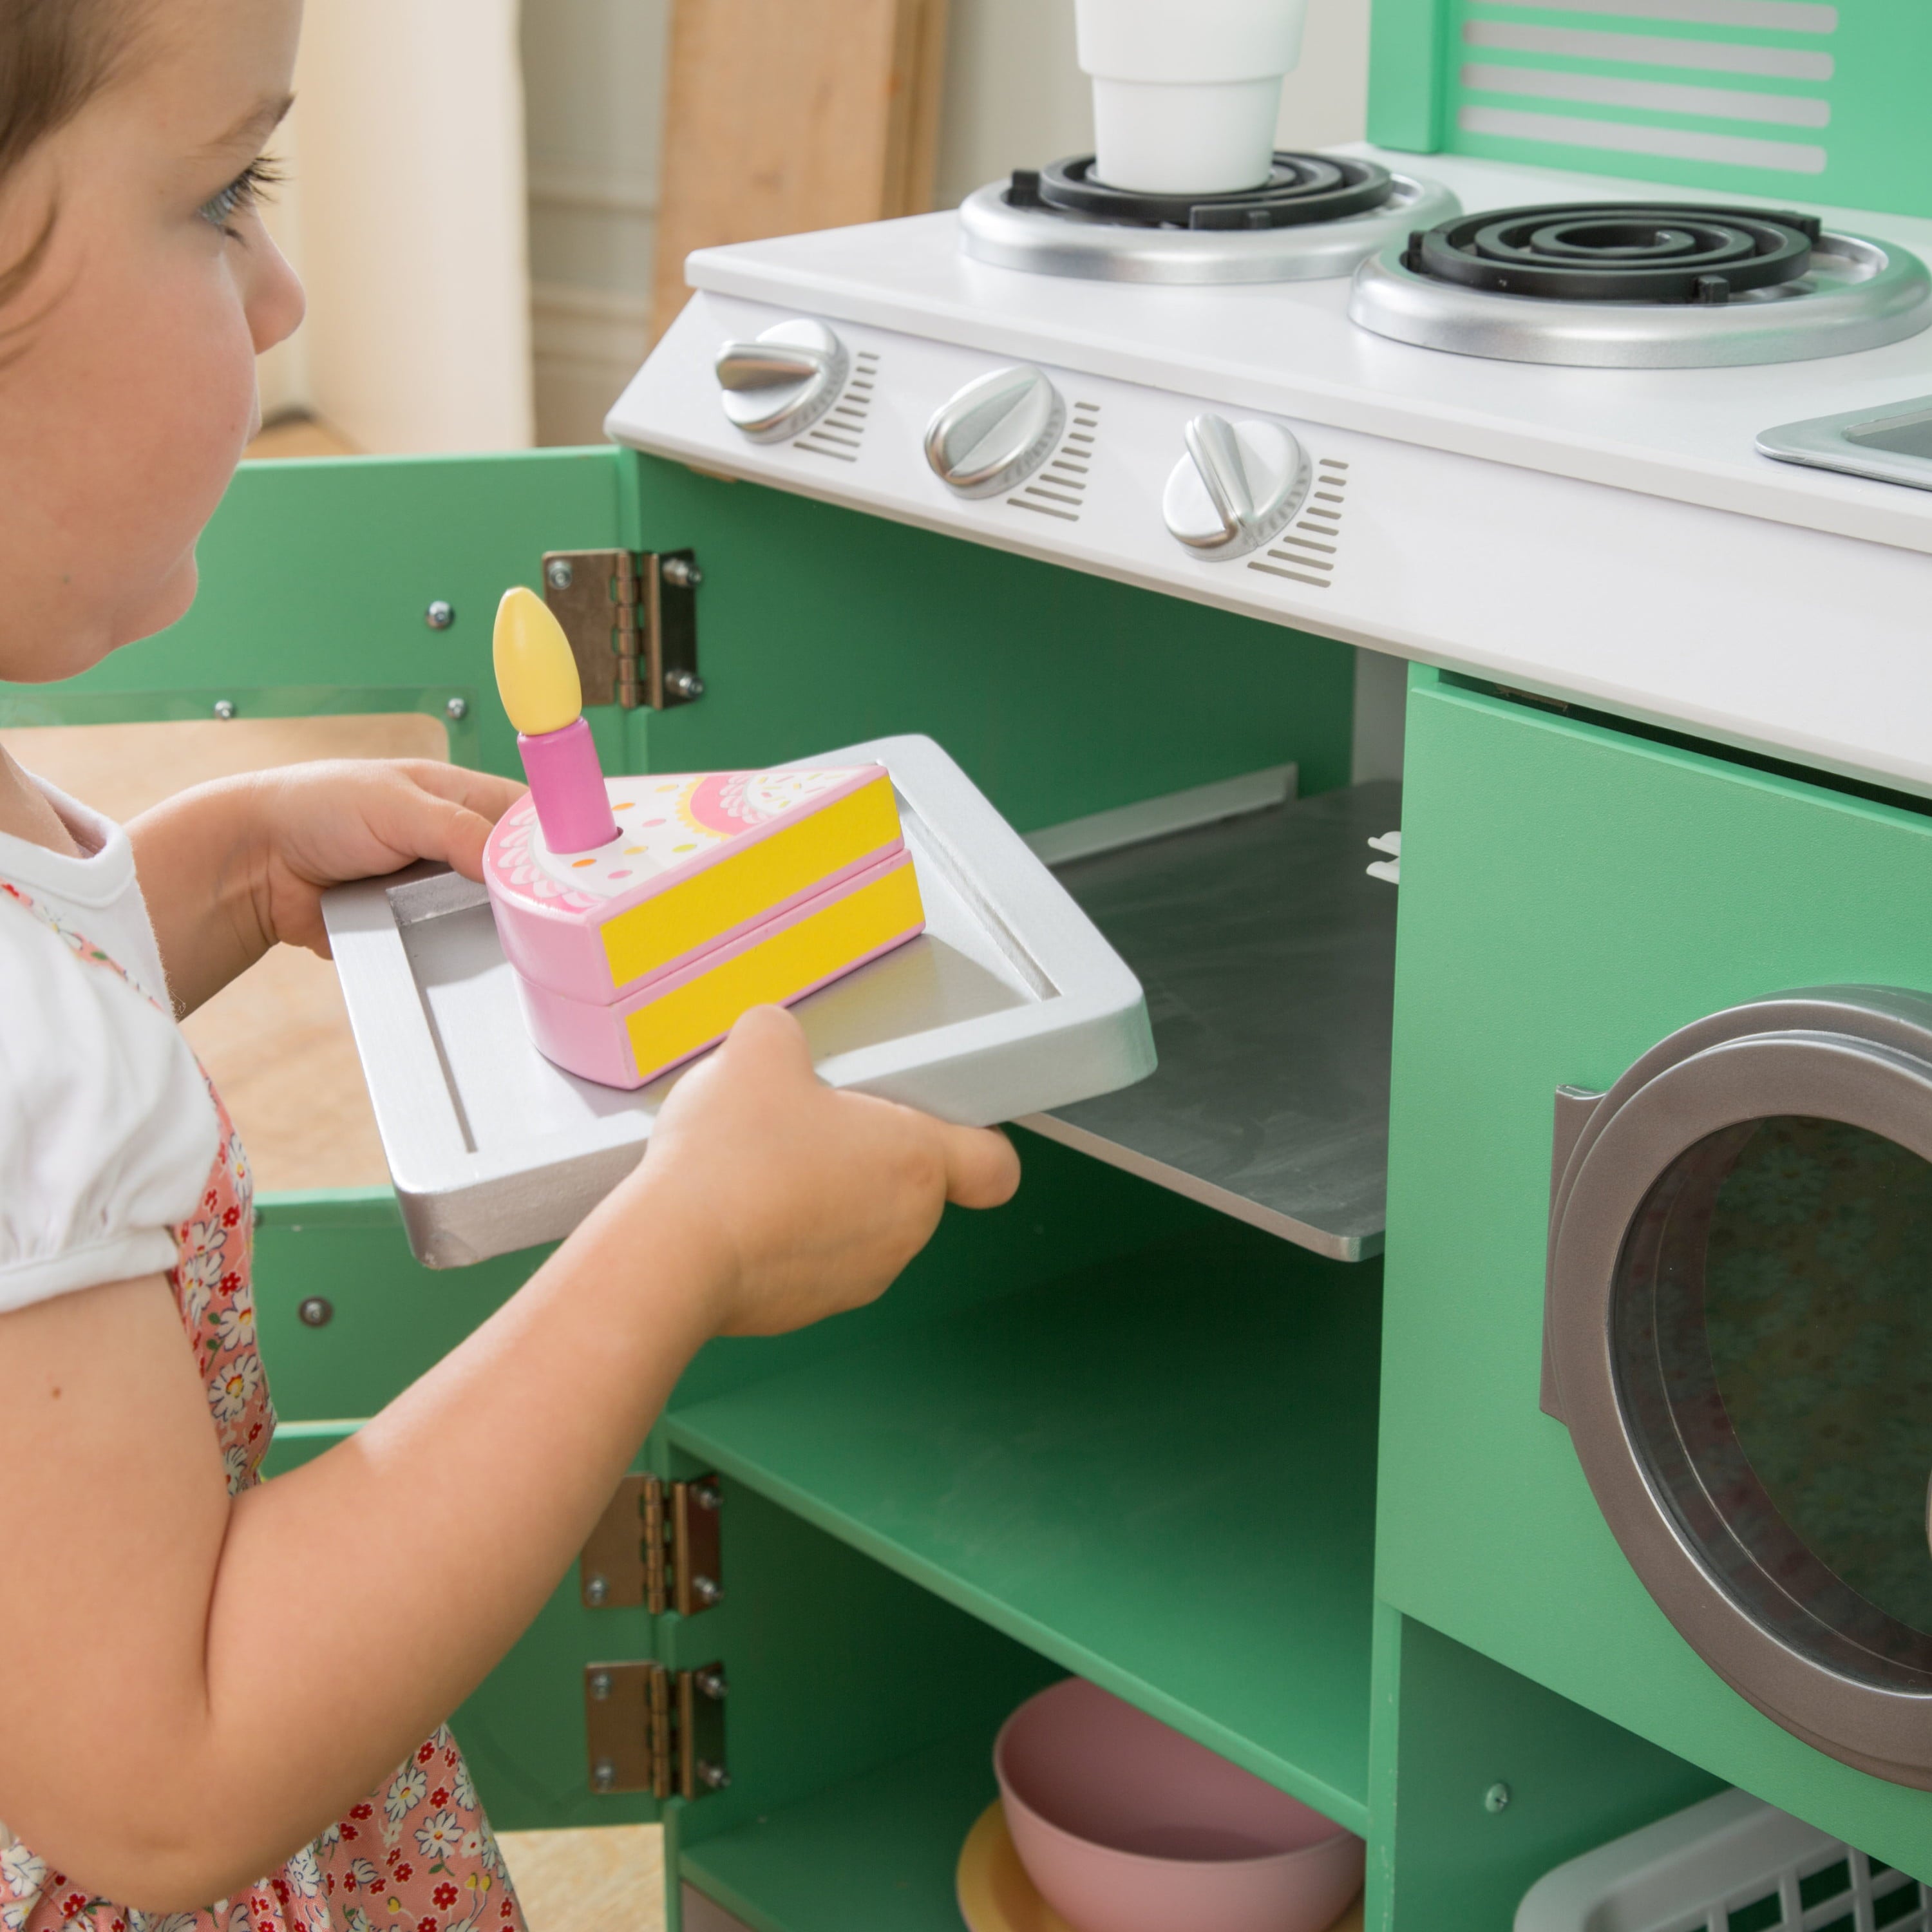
(1731, 1864)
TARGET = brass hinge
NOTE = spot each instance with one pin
(657, 1547)
(632, 618)
(649, 1729)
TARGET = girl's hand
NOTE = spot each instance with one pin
(324, 824)
(807, 1200)
(232, 868)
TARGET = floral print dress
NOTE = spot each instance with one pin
(417, 1855)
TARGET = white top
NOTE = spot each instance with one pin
(107, 1131)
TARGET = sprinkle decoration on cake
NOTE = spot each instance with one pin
(663, 825)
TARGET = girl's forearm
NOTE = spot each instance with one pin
(199, 858)
(422, 1586)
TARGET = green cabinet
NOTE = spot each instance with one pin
(1572, 893)
(1104, 1429)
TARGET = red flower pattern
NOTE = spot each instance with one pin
(221, 1235)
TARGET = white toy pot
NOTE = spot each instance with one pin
(1186, 92)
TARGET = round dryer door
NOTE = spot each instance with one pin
(1738, 1334)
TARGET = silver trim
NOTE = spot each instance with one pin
(1043, 242)
(1824, 443)
(1858, 1053)
(1861, 294)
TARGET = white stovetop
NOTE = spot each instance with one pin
(1290, 348)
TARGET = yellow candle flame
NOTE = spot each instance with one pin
(536, 673)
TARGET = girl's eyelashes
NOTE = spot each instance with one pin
(246, 191)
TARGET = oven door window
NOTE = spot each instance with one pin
(1771, 1333)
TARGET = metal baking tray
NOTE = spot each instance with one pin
(1011, 1003)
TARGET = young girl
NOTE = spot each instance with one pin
(219, 1699)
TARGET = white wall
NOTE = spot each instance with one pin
(594, 70)
(407, 221)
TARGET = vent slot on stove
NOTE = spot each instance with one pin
(1702, 88)
(838, 432)
(1059, 489)
(1305, 553)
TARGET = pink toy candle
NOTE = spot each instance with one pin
(536, 675)
(567, 787)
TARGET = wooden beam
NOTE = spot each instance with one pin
(785, 115)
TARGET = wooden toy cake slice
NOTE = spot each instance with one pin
(723, 890)
(643, 916)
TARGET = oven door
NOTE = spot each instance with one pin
(1738, 1332)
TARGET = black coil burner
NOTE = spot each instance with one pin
(1300, 188)
(1618, 251)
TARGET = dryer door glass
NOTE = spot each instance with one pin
(1772, 1338)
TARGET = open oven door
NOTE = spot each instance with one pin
(1737, 1333)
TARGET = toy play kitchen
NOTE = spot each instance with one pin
(1598, 389)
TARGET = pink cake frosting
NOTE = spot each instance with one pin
(550, 906)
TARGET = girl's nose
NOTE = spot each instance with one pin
(275, 302)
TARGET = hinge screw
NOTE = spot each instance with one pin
(713, 1777)
(712, 1684)
(440, 615)
(458, 709)
(600, 1684)
(684, 684)
(596, 1590)
(707, 1591)
(316, 1312)
(604, 1773)
(707, 1496)
(559, 574)
(1496, 1799)
(682, 572)
(224, 708)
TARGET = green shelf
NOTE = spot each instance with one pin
(1159, 1473)
(879, 1851)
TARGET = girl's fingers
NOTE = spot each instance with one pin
(483, 793)
(982, 1169)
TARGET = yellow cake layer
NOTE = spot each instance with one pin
(686, 917)
(776, 969)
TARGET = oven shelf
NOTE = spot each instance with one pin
(1268, 957)
(1159, 1473)
(879, 1851)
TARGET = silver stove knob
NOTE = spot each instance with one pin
(995, 432)
(783, 382)
(1236, 488)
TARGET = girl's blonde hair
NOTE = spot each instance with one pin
(55, 56)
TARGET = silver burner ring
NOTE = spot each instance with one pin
(1859, 294)
(1043, 241)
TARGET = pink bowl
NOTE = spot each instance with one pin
(1125, 1826)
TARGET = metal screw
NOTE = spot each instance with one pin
(707, 1591)
(604, 1773)
(713, 1684)
(707, 1496)
(224, 708)
(1496, 1799)
(600, 1684)
(684, 683)
(440, 615)
(682, 572)
(559, 573)
(316, 1312)
(458, 709)
(713, 1777)
(596, 1590)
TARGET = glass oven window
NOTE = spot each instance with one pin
(1772, 1331)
